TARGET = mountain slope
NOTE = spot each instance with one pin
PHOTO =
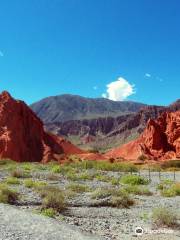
(160, 140)
(107, 132)
(22, 136)
(71, 107)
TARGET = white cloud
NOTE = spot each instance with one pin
(119, 90)
(1, 54)
(148, 75)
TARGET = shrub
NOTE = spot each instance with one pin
(20, 174)
(12, 180)
(115, 181)
(115, 197)
(121, 201)
(102, 178)
(166, 183)
(176, 188)
(85, 176)
(29, 183)
(54, 200)
(100, 193)
(105, 166)
(56, 169)
(134, 180)
(52, 177)
(163, 216)
(171, 164)
(168, 192)
(135, 189)
(79, 188)
(72, 176)
(48, 212)
(27, 166)
(7, 195)
(169, 189)
(116, 167)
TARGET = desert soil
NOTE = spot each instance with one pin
(85, 218)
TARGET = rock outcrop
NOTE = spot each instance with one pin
(159, 141)
(107, 132)
(22, 136)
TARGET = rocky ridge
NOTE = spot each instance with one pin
(22, 136)
(160, 140)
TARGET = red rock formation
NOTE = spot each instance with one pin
(22, 136)
(160, 140)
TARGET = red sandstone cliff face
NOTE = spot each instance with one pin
(22, 136)
(160, 140)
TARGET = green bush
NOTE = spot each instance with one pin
(48, 212)
(137, 190)
(8, 195)
(56, 169)
(29, 183)
(105, 166)
(164, 184)
(12, 180)
(169, 189)
(54, 200)
(27, 166)
(115, 181)
(114, 197)
(134, 180)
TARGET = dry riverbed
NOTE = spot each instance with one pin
(97, 201)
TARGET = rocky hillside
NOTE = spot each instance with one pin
(22, 136)
(103, 133)
(160, 140)
(71, 107)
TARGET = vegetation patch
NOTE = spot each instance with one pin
(78, 188)
(113, 197)
(169, 189)
(164, 217)
(29, 183)
(48, 212)
(8, 195)
(18, 173)
(12, 181)
(137, 190)
(134, 180)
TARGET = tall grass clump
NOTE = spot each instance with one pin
(105, 166)
(164, 217)
(8, 195)
(53, 198)
(168, 188)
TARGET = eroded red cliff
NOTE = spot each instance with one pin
(22, 136)
(159, 141)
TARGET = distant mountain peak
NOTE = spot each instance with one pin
(73, 107)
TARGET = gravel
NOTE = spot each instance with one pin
(83, 219)
(18, 224)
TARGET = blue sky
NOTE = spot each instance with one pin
(123, 49)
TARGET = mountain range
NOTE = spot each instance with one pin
(97, 124)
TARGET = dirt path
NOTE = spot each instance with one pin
(17, 224)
